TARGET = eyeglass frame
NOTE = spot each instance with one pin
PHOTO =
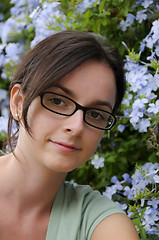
(78, 107)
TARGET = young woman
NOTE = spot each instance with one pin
(63, 98)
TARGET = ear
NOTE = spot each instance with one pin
(16, 102)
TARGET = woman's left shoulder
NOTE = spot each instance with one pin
(92, 207)
(116, 226)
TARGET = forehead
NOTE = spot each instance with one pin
(91, 81)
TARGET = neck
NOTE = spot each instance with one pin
(30, 187)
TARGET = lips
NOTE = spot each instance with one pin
(65, 146)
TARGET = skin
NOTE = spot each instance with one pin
(59, 144)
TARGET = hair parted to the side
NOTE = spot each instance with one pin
(54, 58)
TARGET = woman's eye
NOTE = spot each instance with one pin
(96, 115)
(57, 101)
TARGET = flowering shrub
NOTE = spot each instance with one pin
(138, 195)
(133, 27)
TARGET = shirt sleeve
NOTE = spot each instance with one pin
(96, 208)
(77, 211)
(2, 153)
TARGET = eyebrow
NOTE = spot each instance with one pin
(98, 102)
(66, 90)
(102, 103)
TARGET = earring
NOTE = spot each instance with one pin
(17, 116)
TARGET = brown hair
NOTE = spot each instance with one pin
(55, 57)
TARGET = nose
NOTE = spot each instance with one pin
(75, 123)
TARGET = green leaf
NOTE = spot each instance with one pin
(143, 233)
(155, 65)
(87, 14)
(134, 56)
(137, 222)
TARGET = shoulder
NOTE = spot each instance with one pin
(117, 226)
(92, 207)
(89, 197)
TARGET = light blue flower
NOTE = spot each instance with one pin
(1, 16)
(140, 103)
(3, 75)
(127, 99)
(126, 178)
(46, 16)
(12, 25)
(129, 193)
(123, 25)
(6, 29)
(137, 113)
(156, 179)
(127, 23)
(5, 111)
(153, 81)
(142, 46)
(134, 120)
(121, 127)
(141, 16)
(116, 183)
(3, 124)
(152, 38)
(143, 125)
(2, 58)
(81, 8)
(123, 206)
(146, 3)
(153, 108)
(157, 50)
(136, 75)
(154, 203)
(152, 56)
(14, 52)
(130, 19)
(151, 216)
(21, 6)
(97, 162)
(110, 191)
(3, 94)
(155, 30)
(149, 166)
(157, 7)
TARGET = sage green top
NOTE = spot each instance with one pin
(77, 211)
(1, 153)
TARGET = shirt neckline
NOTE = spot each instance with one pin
(54, 221)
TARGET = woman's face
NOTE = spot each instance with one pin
(62, 143)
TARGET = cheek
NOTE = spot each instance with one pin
(93, 141)
(40, 119)
(43, 126)
(39, 122)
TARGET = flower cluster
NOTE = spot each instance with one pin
(141, 101)
(44, 18)
(4, 111)
(141, 188)
(146, 11)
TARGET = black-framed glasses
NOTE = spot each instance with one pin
(65, 106)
